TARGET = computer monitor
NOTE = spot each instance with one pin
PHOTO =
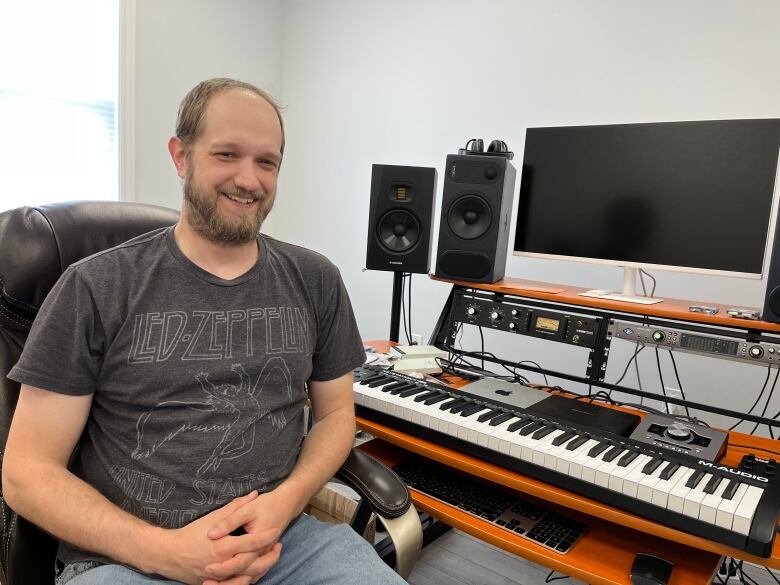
(688, 196)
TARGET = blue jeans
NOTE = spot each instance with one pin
(313, 553)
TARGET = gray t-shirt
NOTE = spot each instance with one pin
(198, 382)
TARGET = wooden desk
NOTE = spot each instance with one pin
(605, 553)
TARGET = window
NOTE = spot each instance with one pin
(58, 101)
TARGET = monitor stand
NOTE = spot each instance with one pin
(629, 290)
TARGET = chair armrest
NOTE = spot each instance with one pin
(376, 483)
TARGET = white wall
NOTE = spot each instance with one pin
(407, 82)
(179, 43)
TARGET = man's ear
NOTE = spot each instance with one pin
(178, 155)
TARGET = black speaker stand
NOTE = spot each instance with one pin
(395, 310)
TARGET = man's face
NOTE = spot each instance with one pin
(230, 171)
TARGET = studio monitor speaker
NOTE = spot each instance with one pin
(474, 226)
(771, 310)
(400, 218)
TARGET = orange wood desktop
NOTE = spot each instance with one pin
(669, 308)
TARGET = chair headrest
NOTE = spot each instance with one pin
(37, 244)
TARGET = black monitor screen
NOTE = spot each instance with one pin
(685, 194)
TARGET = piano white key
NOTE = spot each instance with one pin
(711, 502)
(632, 480)
(501, 438)
(553, 454)
(606, 469)
(693, 498)
(544, 445)
(529, 447)
(743, 516)
(518, 444)
(677, 492)
(645, 489)
(581, 458)
(616, 479)
(725, 515)
(589, 467)
(566, 457)
(660, 493)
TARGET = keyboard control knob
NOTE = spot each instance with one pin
(495, 316)
(512, 326)
(659, 336)
(515, 312)
(678, 431)
(471, 311)
(756, 351)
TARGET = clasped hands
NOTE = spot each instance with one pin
(207, 553)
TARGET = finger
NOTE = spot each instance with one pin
(236, 565)
(264, 563)
(256, 543)
(235, 516)
(238, 580)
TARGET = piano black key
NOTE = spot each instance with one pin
(434, 399)
(577, 442)
(490, 414)
(381, 382)
(522, 421)
(731, 489)
(561, 439)
(450, 403)
(713, 484)
(652, 465)
(459, 407)
(501, 418)
(473, 409)
(372, 378)
(411, 391)
(669, 471)
(628, 458)
(532, 428)
(612, 454)
(543, 432)
(391, 387)
(600, 448)
(694, 480)
(426, 396)
(398, 389)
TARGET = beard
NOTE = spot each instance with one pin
(206, 220)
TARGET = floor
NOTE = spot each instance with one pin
(456, 558)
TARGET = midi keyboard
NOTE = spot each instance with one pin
(714, 501)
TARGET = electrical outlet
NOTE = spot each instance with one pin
(417, 339)
(677, 409)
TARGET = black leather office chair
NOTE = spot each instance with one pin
(36, 245)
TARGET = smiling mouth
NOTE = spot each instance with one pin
(242, 200)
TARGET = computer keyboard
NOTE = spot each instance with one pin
(491, 502)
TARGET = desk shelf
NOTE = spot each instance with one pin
(602, 556)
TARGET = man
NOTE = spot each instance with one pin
(173, 368)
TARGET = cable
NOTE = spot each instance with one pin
(754, 447)
(482, 347)
(771, 574)
(760, 394)
(403, 310)
(766, 404)
(537, 365)
(661, 376)
(549, 578)
(679, 384)
(410, 308)
(637, 351)
(651, 277)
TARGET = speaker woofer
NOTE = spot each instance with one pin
(470, 217)
(398, 231)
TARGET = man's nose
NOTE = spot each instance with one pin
(246, 177)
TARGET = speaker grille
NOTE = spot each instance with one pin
(470, 217)
(398, 231)
(465, 264)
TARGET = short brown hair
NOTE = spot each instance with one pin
(189, 122)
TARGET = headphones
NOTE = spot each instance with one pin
(495, 148)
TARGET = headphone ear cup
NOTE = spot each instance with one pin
(479, 145)
(497, 146)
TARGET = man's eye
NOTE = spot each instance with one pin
(268, 163)
(226, 154)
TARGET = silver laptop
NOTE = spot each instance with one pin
(513, 394)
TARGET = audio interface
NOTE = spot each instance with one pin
(514, 317)
(714, 345)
